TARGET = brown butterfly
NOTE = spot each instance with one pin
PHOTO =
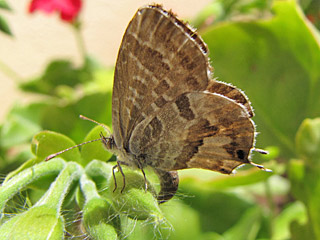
(168, 112)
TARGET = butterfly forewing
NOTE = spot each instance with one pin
(157, 61)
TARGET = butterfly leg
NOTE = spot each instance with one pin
(144, 176)
(169, 182)
(114, 177)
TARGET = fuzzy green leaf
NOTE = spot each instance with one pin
(99, 216)
(17, 182)
(134, 201)
(36, 223)
(95, 150)
(47, 142)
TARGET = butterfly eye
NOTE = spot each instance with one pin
(108, 142)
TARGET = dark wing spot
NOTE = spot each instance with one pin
(223, 170)
(241, 154)
(187, 153)
(160, 102)
(161, 87)
(156, 127)
(183, 105)
(192, 81)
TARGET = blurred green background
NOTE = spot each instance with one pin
(269, 49)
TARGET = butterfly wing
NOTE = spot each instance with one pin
(159, 58)
(231, 92)
(197, 130)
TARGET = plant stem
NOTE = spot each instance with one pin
(80, 41)
(270, 204)
(27, 176)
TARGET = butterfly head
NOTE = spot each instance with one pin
(108, 142)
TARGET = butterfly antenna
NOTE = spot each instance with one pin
(260, 151)
(100, 124)
(67, 149)
(257, 165)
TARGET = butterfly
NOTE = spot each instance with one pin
(168, 113)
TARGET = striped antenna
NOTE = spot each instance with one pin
(100, 124)
(67, 149)
(80, 144)
(260, 151)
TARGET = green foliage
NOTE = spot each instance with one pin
(269, 49)
(305, 178)
(4, 27)
(96, 210)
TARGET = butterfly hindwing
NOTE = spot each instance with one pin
(197, 130)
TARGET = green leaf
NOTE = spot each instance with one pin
(134, 201)
(57, 73)
(207, 181)
(59, 188)
(98, 219)
(308, 142)
(99, 169)
(37, 223)
(4, 27)
(102, 81)
(61, 72)
(213, 11)
(305, 182)
(21, 124)
(247, 227)
(66, 119)
(295, 211)
(273, 61)
(301, 231)
(95, 150)
(218, 211)
(43, 220)
(47, 142)
(29, 163)
(62, 119)
(4, 5)
(212, 236)
(296, 170)
(304, 176)
(99, 216)
(182, 222)
(96, 106)
(185, 221)
(100, 172)
(17, 182)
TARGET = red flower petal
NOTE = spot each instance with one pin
(68, 9)
(43, 5)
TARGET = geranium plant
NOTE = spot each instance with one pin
(271, 50)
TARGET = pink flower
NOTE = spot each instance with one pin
(68, 9)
